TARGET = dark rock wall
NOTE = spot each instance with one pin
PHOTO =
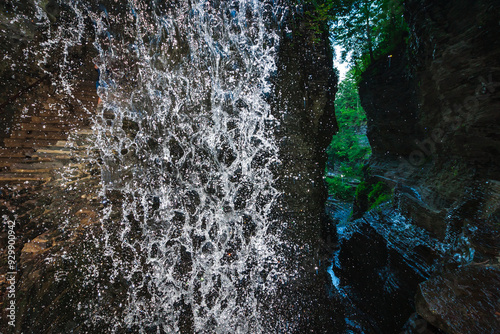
(305, 91)
(433, 112)
(15, 76)
(388, 96)
(36, 117)
(305, 87)
(433, 124)
(27, 67)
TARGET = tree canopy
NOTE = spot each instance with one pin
(365, 29)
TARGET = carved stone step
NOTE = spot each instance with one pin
(57, 155)
(74, 120)
(53, 150)
(79, 145)
(37, 165)
(60, 153)
(61, 143)
(84, 132)
(31, 171)
(8, 162)
(18, 159)
(5, 165)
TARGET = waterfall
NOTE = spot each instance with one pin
(184, 140)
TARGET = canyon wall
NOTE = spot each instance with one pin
(305, 87)
(433, 123)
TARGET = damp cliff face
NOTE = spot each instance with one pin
(48, 96)
(433, 124)
(305, 86)
(433, 110)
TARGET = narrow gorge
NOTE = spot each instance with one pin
(163, 170)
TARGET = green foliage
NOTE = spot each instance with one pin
(375, 194)
(339, 188)
(318, 14)
(346, 147)
(365, 29)
(349, 148)
(369, 28)
(379, 194)
(349, 112)
(317, 17)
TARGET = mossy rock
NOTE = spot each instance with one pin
(369, 195)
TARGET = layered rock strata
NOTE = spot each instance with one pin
(433, 124)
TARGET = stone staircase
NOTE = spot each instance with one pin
(38, 144)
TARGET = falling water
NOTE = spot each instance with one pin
(184, 140)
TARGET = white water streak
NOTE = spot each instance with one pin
(184, 133)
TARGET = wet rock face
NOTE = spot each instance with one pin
(387, 95)
(417, 325)
(15, 37)
(457, 58)
(432, 109)
(305, 90)
(433, 120)
(49, 281)
(64, 278)
(305, 86)
(462, 301)
(433, 124)
(382, 262)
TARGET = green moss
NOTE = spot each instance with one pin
(379, 194)
(374, 194)
(339, 188)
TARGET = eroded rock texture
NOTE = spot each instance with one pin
(433, 111)
(462, 301)
(305, 87)
(433, 123)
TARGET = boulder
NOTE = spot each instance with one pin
(466, 300)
